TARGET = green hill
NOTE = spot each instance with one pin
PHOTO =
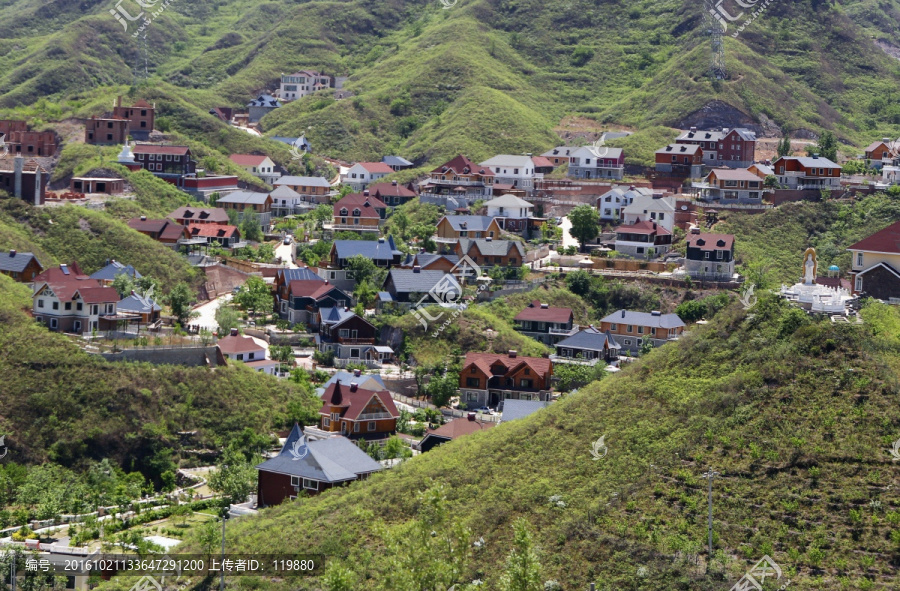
(797, 416)
(482, 77)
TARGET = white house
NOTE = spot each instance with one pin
(302, 83)
(248, 350)
(611, 203)
(261, 167)
(652, 208)
(511, 212)
(597, 162)
(361, 174)
(517, 171)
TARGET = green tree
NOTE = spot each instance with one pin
(250, 227)
(282, 353)
(826, 146)
(441, 388)
(180, 300)
(255, 296)
(209, 537)
(523, 569)
(585, 224)
(227, 318)
(363, 268)
(784, 146)
(365, 294)
(401, 221)
(575, 375)
(771, 181)
(579, 282)
(691, 310)
(234, 477)
(123, 284)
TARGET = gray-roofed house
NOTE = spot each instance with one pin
(453, 227)
(730, 185)
(21, 266)
(311, 467)
(262, 106)
(588, 346)
(249, 201)
(286, 201)
(396, 162)
(517, 170)
(148, 309)
(113, 269)
(611, 203)
(383, 252)
(630, 329)
(731, 147)
(352, 338)
(597, 162)
(365, 381)
(512, 212)
(312, 189)
(411, 285)
(519, 409)
(486, 252)
(807, 172)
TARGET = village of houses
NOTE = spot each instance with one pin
(658, 226)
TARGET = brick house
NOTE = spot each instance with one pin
(105, 131)
(306, 297)
(214, 234)
(709, 256)
(358, 413)
(734, 148)
(141, 117)
(630, 329)
(807, 172)
(173, 164)
(460, 178)
(26, 181)
(877, 153)
(21, 266)
(359, 212)
(350, 337)
(546, 324)
(680, 160)
(392, 194)
(281, 286)
(310, 467)
(487, 379)
(875, 264)
(487, 252)
(165, 231)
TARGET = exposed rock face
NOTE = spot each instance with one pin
(719, 114)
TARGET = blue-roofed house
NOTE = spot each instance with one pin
(365, 381)
(351, 338)
(310, 467)
(409, 285)
(631, 329)
(283, 278)
(517, 409)
(396, 162)
(383, 252)
(21, 266)
(262, 106)
(114, 268)
(588, 346)
(148, 309)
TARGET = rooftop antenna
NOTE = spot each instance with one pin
(717, 28)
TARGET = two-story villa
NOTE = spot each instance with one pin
(875, 264)
(631, 329)
(807, 172)
(735, 148)
(487, 379)
(643, 239)
(66, 300)
(173, 164)
(462, 179)
(546, 324)
(259, 165)
(597, 162)
(724, 185)
(709, 256)
(351, 337)
(359, 212)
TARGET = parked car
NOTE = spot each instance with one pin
(485, 411)
(287, 239)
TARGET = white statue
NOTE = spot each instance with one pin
(809, 275)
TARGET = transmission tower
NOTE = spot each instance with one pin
(716, 30)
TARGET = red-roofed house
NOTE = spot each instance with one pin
(235, 347)
(260, 166)
(358, 413)
(460, 177)
(878, 151)
(639, 239)
(67, 300)
(393, 193)
(173, 164)
(875, 264)
(487, 379)
(545, 324)
(453, 430)
(199, 215)
(709, 256)
(359, 212)
(164, 231)
(542, 165)
(222, 234)
(362, 173)
(680, 160)
(307, 296)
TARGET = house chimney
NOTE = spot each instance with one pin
(12, 253)
(623, 313)
(695, 230)
(545, 306)
(488, 239)
(393, 183)
(417, 269)
(512, 353)
(886, 140)
(815, 156)
(471, 416)
(18, 167)
(143, 218)
(366, 192)
(234, 332)
(356, 372)
(381, 240)
(354, 386)
(693, 129)
(119, 101)
(656, 313)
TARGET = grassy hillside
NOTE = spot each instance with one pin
(797, 416)
(483, 77)
(71, 233)
(777, 238)
(64, 405)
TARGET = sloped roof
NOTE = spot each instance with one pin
(733, 174)
(335, 459)
(644, 319)
(248, 159)
(885, 240)
(535, 313)
(424, 259)
(114, 269)
(298, 274)
(311, 288)
(375, 167)
(710, 241)
(518, 409)
(167, 229)
(601, 152)
(212, 230)
(810, 161)
(391, 189)
(476, 223)
(264, 100)
(560, 151)
(874, 146)
(686, 149)
(643, 227)
(304, 181)
(381, 249)
(98, 295)
(367, 204)
(139, 304)
(367, 381)
(355, 399)
(541, 162)
(16, 262)
(248, 197)
(490, 247)
(396, 161)
(335, 316)
(509, 160)
(284, 192)
(590, 338)
(238, 344)
(459, 427)
(508, 200)
(409, 281)
(701, 135)
(200, 214)
(462, 165)
(484, 361)
(154, 149)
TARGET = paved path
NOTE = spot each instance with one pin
(207, 313)
(286, 251)
(567, 239)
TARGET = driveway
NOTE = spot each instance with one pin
(286, 252)
(207, 313)
(567, 239)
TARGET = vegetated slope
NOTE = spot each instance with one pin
(59, 403)
(796, 415)
(483, 77)
(777, 238)
(71, 233)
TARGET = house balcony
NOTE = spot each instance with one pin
(441, 240)
(564, 331)
(343, 341)
(373, 416)
(457, 183)
(354, 227)
(576, 360)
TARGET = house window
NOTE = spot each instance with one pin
(41, 305)
(95, 309)
(356, 427)
(371, 425)
(68, 305)
(629, 328)
(344, 333)
(526, 383)
(706, 255)
(471, 396)
(719, 254)
(472, 382)
(859, 259)
(310, 484)
(326, 422)
(859, 283)
(53, 323)
(627, 341)
(613, 327)
(79, 306)
(56, 305)
(240, 356)
(354, 353)
(252, 355)
(295, 481)
(473, 370)
(335, 416)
